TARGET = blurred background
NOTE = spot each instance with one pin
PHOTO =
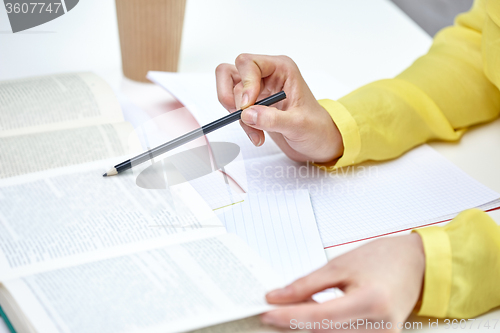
(432, 15)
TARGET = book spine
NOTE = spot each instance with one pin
(7, 321)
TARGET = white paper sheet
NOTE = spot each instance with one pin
(215, 191)
(281, 228)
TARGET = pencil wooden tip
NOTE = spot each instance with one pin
(111, 172)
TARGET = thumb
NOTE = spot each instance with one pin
(249, 93)
(269, 119)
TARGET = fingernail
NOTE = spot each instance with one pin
(244, 100)
(255, 138)
(250, 116)
(280, 292)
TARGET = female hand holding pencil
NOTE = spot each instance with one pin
(299, 125)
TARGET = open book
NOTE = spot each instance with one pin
(167, 289)
(59, 120)
(83, 253)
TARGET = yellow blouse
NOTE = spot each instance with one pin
(455, 85)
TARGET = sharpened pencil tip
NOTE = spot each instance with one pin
(111, 172)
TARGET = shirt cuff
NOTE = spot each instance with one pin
(437, 280)
(348, 130)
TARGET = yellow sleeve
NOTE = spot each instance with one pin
(436, 98)
(462, 268)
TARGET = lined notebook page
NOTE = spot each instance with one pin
(281, 228)
(369, 200)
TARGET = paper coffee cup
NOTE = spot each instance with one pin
(150, 35)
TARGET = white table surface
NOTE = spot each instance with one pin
(355, 41)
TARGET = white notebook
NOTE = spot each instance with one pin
(365, 201)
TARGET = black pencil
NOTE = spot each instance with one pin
(152, 153)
